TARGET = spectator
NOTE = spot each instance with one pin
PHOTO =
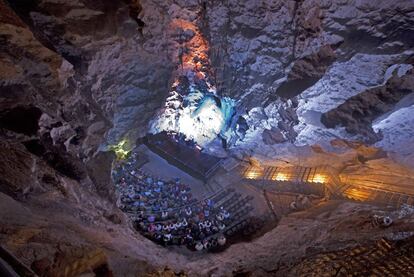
(165, 212)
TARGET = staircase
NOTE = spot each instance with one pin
(383, 258)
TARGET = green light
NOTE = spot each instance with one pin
(121, 149)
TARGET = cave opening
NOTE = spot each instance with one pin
(24, 120)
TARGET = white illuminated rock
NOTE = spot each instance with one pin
(198, 116)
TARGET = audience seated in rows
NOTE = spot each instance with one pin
(167, 213)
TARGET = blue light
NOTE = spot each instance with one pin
(200, 114)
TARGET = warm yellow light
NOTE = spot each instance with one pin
(253, 173)
(318, 178)
(358, 194)
(280, 177)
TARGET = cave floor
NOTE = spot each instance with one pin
(349, 220)
(221, 180)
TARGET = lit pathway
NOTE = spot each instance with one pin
(320, 179)
(323, 180)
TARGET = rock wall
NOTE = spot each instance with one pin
(61, 65)
(122, 57)
(77, 76)
(320, 52)
(359, 111)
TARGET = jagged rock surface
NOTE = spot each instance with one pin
(76, 76)
(358, 112)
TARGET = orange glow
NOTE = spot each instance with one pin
(195, 57)
(318, 178)
(176, 83)
(280, 177)
(193, 51)
(253, 173)
(358, 194)
(200, 75)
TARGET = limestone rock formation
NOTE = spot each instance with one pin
(273, 136)
(308, 77)
(358, 112)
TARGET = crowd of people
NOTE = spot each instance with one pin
(142, 193)
(167, 213)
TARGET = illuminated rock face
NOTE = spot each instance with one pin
(204, 122)
(199, 116)
(193, 106)
(324, 53)
(78, 76)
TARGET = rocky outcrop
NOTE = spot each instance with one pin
(52, 178)
(79, 76)
(273, 136)
(306, 71)
(358, 112)
(321, 52)
(278, 48)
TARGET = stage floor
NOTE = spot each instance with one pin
(157, 166)
(187, 158)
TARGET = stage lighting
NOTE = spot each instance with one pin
(280, 177)
(201, 117)
(319, 178)
(121, 149)
(204, 123)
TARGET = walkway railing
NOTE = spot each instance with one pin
(329, 178)
(321, 175)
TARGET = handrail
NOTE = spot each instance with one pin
(296, 172)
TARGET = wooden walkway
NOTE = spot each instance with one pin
(322, 181)
(378, 196)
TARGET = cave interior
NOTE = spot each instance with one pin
(206, 138)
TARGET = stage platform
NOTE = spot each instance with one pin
(186, 157)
